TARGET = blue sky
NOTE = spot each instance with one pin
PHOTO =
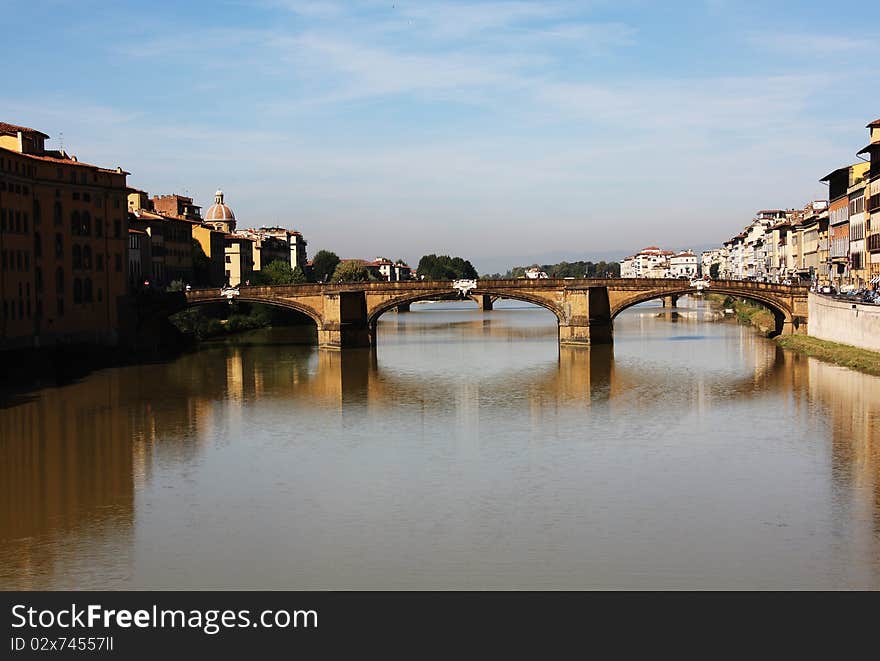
(501, 131)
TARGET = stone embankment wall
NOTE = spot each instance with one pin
(844, 322)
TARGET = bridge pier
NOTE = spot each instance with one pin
(792, 326)
(345, 321)
(670, 301)
(485, 301)
(586, 317)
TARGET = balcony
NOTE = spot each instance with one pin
(874, 243)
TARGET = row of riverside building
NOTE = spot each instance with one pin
(654, 262)
(76, 242)
(170, 241)
(834, 241)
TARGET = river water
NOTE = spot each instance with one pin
(466, 451)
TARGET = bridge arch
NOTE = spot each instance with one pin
(782, 314)
(385, 306)
(283, 303)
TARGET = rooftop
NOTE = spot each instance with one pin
(869, 147)
(834, 172)
(14, 129)
(69, 160)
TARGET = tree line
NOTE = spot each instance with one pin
(579, 269)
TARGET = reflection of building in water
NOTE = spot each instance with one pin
(72, 459)
(65, 471)
(852, 402)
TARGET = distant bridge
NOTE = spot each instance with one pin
(346, 313)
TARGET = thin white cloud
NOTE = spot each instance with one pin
(815, 44)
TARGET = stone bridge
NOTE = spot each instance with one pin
(346, 313)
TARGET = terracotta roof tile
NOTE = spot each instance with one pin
(13, 129)
(70, 161)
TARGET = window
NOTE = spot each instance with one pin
(77, 291)
(86, 226)
(60, 307)
(74, 223)
(38, 245)
(77, 257)
(59, 246)
(38, 279)
(59, 281)
(57, 213)
(857, 205)
(118, 263)
(87, 290)
(37, 213)
(99, 226)
(87, 257)
(99, 262)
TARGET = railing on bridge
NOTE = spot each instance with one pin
(537, 283)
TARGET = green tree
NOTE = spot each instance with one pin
(350, 271)
(299, 276)
(324, 265)
(713, 270)
(444, 267)
(279, 273)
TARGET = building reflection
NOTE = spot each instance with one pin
(66, 470)
(850, 402)
(74, 457)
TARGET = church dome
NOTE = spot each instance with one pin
(219, 211)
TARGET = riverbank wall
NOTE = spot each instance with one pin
(844, 322)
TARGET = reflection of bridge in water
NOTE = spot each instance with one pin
(346, 314)
(73, 458)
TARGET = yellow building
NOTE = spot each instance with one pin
(213, 244)
(63, 241)
(872, 204)
(239, 256)
(171, 234)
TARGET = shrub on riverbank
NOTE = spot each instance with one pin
(832, 352)
(747, 312)
(205, 324)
